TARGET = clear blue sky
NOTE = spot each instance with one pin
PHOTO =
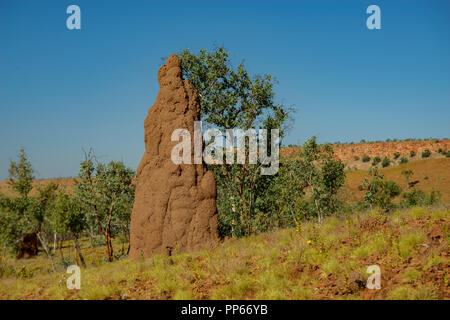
(63, 90)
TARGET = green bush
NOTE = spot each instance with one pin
(365, 158)
(386, 162)
(376, 161)
(412, 198)
(412, 153)
(420, 198)
(379, 191)
(356, 158)
(396, 155)
(403, 160)
(426, 153)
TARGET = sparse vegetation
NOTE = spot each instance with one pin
(376, 161)
(314, 261)
(426, 153)
(386, 162)
(231, 98)
(379, 192)
(407, 173)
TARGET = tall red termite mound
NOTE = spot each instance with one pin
(175, 205)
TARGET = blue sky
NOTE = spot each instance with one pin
(63, 90)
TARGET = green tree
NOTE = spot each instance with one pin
(28, 213)
(379, 191)
(376, 161)
(426, 153)
(70, 218)
(106, 193)
(231, 99)
(407, 173)
(322, 175)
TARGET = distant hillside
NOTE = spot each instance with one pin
(432, 172)
(348, 152)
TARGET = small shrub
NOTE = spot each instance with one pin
(420, 198)
(362, 252)
(433, 197)
(396, 155)
(65, 262)
(399, 293)
(379, 191)
(365, 158)
(98, 242)
(425, 292)
(411, 275)
(413, 198)
(408, 243)
(426, 153)
(386, 162)
(412, 153)
(356, 158)
(376, 160)
(403, 160)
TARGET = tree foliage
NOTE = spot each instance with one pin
(321, 175)
(379, 192)
(69, 217)
(106, 194)
(231, 99)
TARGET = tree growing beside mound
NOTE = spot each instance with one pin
(231, 99)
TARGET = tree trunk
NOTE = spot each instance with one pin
(109, 247)
(44, 245)
(78, 251)
(61, 253)
(54, 242)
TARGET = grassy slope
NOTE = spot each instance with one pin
(326, 261)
